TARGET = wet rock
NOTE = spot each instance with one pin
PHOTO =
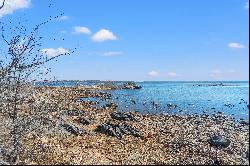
(199, 121)
(133, 101)
(111, 105)
(244, 122)
(219, 141)
(229, 105)
(247, 154)
(171, 106)
(73, 129)
(84, 121)
(131, 85)
(204, 116)
(109, 129)
(130, 130)
(118, 130)
(126, 116)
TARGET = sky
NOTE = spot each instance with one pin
(141, 40)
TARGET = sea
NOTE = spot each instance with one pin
(187, 97)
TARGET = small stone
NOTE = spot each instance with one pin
(84, 121)
(171, 106)
(73, 129)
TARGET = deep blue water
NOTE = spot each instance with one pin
(231, 99)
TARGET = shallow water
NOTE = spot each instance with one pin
(190, 98)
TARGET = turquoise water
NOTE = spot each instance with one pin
(190, 97)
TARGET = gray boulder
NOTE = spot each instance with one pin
(126, 116)
(219, 141)
(109, 129)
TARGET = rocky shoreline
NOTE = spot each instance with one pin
(86, 133)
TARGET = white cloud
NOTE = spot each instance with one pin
(12, 5)
(51, 52)
(216, 73)
(247, 5)
(113, 53)
(63, 18)
(231, 71)
(103, 35)
(173, 74)
(236, 45)
(81, 30)
(153, 73)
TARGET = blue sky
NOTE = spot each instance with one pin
(143, 39)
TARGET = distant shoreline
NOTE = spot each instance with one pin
(140, 81)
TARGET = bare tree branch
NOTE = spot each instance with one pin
(3, 3)
(23, 59)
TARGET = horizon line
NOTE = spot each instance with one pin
(155, 80)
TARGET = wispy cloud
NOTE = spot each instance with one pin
(153, 73)
(231, 71)
(112, 53)
(217, 71)
(173, 74)
(12, 5)
(51, 52)
(103, 35)
(63, 18)
(236, 45)
(216, 74)
(81, 30)
(220, 74)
